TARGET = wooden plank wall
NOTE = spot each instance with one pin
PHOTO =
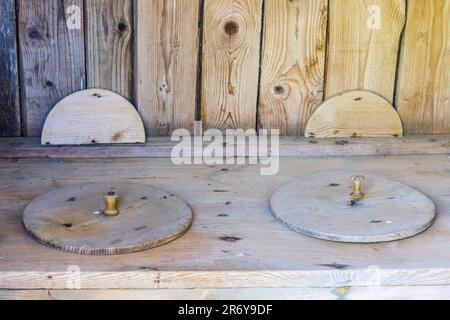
(167, 44)
(293, 63)
(265, 64)
(363, 55)
(231, 48)
(423, 98)
(109, 40)
(51, 57)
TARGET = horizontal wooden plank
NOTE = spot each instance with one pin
(343, 293)
(234, 241)
(220, 279)
(161, 147)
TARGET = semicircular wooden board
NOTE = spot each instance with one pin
(94, 116)
(355, 114)
(320, 206)
(71, 219)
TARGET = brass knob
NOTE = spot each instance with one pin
(357, 195)
(112, 204)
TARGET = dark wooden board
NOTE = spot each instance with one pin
(9, 86)
(51, 57)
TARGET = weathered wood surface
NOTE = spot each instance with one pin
(64, 219)
(423, 95)
(253, 294)
(231, 46)
(9, 75)
(293, 63)
(363, 54)
(93, 116)
(223, 249)
(148, 51)
(166, 62)
(51, 57)
(109, 44)
(289, 147)
(320, 206)
(355, 114)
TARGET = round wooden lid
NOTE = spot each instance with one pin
(320, 206)
(71, 219)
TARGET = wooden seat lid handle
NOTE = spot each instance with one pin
(111, 204)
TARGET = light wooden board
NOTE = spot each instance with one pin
(162, 147)
(70, 219)
(9, 76)
(293, 63)
(51, 57)
(360, 57)
(224, 249)
(93, 116)
(355, 114)
(252, 294)
(167, 42)
(319, 206)
(231, 46)
(109, 35)
(423, 95)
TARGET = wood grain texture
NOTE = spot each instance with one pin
(355, 114)
(64, 219)
(423, 95)
(360, 57)
(93, 116)
(109, 41)
(166, 61)
(319, 206)
(231, 46)
(23, 148)
(9, 76)
(252, 294)
(51, 57)
(292, 80)
(223, 249)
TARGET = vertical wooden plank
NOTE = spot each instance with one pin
(51, 57)
(167, 41)
(423, 96)
(9, 75)
(109, 43)
(231, 47)
(364, 40)
(292, 79)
